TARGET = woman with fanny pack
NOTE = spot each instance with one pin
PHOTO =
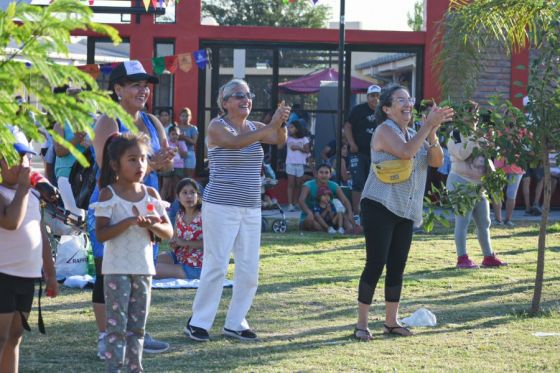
(392, 199)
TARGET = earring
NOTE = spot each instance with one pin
(119, 98)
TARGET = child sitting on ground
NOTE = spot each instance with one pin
(185, 258)
(325, 212)
(23, 253)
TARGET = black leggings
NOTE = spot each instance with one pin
(97, 295)
(388, 239)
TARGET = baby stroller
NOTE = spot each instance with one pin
(270, 207)
(66, 235)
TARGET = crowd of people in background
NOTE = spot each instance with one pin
(147, 191)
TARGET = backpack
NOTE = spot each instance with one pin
(83, 180)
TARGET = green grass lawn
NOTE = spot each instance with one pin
(305, 311)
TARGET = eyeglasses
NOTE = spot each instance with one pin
(241, 96)
(402, 101)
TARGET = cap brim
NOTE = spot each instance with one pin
(147, 77)
(24, 149)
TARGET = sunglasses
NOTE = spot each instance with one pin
(402, 101)
(241, 96)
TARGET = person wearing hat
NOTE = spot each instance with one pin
(25, 254)
(325, 212)
(358, 130)
(129, 84)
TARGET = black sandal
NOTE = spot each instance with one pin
(392, 330)
(363, 335)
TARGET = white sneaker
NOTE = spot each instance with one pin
(341, 230)
(291, 208)
(331, 230)
(101, 346)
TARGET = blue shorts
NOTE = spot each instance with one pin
(190, 160)
(192, 273)
(359, 169)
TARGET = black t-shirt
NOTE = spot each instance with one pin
(362, 119)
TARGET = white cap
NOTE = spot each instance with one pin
(525, 100)
(373, 89)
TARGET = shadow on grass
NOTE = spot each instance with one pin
(305, 281)
(477, 294)
(335, 248)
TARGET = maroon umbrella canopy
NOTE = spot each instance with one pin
(310, 83)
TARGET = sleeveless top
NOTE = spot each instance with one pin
(235, 174)
(191, 256)
(129, 253)
(403, 199)
(63, 165)
(150, 180)
(21, 250)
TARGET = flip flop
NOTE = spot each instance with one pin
(363, 335)
(392, 330)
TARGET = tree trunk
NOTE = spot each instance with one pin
(535, 304)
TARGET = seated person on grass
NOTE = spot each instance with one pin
(308, 198)
(184, 259)
(325, 213)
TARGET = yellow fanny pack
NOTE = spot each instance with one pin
(394, 171)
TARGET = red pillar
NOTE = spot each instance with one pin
(188, 13)
(434, 13)
(519, 59)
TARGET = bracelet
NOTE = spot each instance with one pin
(434, 145)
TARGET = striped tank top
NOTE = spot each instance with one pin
(235, 174)
(402, 199)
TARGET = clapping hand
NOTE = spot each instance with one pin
(144, 221)
(281, 114)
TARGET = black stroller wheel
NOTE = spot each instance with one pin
(264, 225)
(279, 226)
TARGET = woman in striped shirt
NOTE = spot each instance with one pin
(231, 214)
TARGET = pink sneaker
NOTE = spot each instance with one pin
(492, 261)
(464, 262)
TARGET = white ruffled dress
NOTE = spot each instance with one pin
(131, 252)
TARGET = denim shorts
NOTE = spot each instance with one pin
(192, 273)
(359, 169)
(190, 160)
(294, 169)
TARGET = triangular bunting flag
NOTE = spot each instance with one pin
(171, 64)
(158, 64)
(92, 70)
(184, 61)
(90, 2)
(154, 3)
(146, 4)
(160, 4)
(106, 68)
(201, 58)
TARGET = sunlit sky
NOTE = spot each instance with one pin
(374, 14)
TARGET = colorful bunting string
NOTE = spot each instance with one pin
(160, 65)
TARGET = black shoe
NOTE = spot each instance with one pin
(195, 333)
(243, 335)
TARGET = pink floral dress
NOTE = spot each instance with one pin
(189, 232)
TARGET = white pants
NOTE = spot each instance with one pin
(226, 229)
(67, 196)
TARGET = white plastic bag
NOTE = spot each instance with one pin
(421, 317)
(71, 256)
